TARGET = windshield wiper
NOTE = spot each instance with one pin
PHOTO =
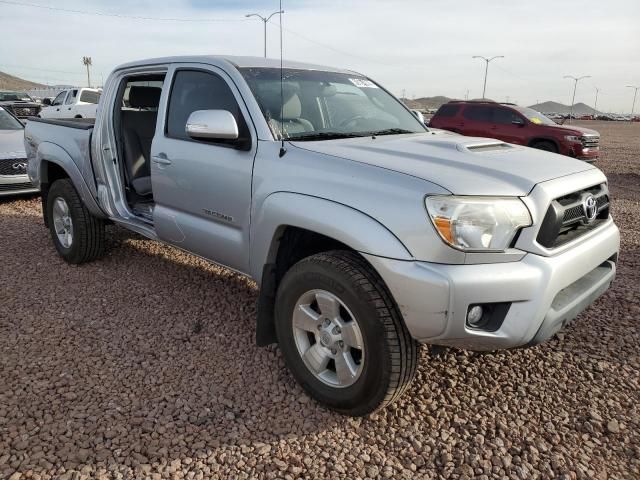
(325, 136)
(389, 131)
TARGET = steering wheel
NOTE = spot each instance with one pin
(352, 119)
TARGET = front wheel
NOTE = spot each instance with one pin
(77, 235)
(341, 334)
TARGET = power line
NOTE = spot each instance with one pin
(24, 67)
(118, 15)
(371, 60)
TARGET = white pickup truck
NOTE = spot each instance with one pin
(367, 233)
(73, 103)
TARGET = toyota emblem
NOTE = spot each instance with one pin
(590, 207)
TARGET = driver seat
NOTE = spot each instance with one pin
(291, 121)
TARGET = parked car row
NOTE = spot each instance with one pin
(366, 232)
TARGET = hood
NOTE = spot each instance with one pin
(462, 165)
(575, 128)
(12, 144)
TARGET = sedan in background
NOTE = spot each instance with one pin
(13, 159)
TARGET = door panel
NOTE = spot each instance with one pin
(201, 190)
(476, 121)
(503, 127)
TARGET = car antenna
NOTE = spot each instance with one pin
(282, 149)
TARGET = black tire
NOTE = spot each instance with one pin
(88, 231)
(545, 145)
(391, 354)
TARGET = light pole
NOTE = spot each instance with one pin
(264, 20)
(86, 61)
(595, 105)
(486, 70)
(635, 92)
(575, 85)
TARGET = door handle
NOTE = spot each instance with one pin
(161, 160)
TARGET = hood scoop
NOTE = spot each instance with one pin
(488, 147)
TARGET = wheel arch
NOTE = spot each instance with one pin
(535, 140)
(291, 227)
(53, 163)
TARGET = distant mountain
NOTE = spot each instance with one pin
(555, 107)
(425, 103)
(9, 82)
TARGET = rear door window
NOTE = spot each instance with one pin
(448, 110)
(71, 97)
(477, 113)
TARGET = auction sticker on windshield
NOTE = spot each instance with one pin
(363, 83)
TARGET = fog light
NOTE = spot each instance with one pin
(474, 315)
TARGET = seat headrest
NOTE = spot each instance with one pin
(270, 99)
(144, 97)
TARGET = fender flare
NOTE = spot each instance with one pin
(340, 222)
(52, 153)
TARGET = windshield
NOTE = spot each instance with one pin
(8, 121)
(325, 105)
(14, 97)
(535, 117)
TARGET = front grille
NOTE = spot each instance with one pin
(13, 166)
(566, 218)
(9, 187)
(590, 141)
(22, 112)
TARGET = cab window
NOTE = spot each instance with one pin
(197, 90)
(59, 99)
(505, 116)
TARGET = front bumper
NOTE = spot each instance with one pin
(543, 293)
(15, 185)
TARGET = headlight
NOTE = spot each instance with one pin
(573, 138)
(477, 223)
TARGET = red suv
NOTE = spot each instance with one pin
(519, 125)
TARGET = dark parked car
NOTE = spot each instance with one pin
(519, 125)
(19, 104)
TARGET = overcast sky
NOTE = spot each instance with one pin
(423, 47)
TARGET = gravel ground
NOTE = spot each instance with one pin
(143, 365)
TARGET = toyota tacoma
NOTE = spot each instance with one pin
(367, 233)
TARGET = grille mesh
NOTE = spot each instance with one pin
(7, 166)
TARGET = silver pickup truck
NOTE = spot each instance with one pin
(367, 233)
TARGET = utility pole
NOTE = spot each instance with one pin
(87, 63)
(633, 105)
(595, 105)
(575, 85)
(265, 20)
(486, 70)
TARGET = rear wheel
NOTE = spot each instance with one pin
(77, 235)
(341, 334)
(545, 145)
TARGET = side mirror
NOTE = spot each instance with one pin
(46, 101)
(418, 115)
(212, 124)
(518, 121)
